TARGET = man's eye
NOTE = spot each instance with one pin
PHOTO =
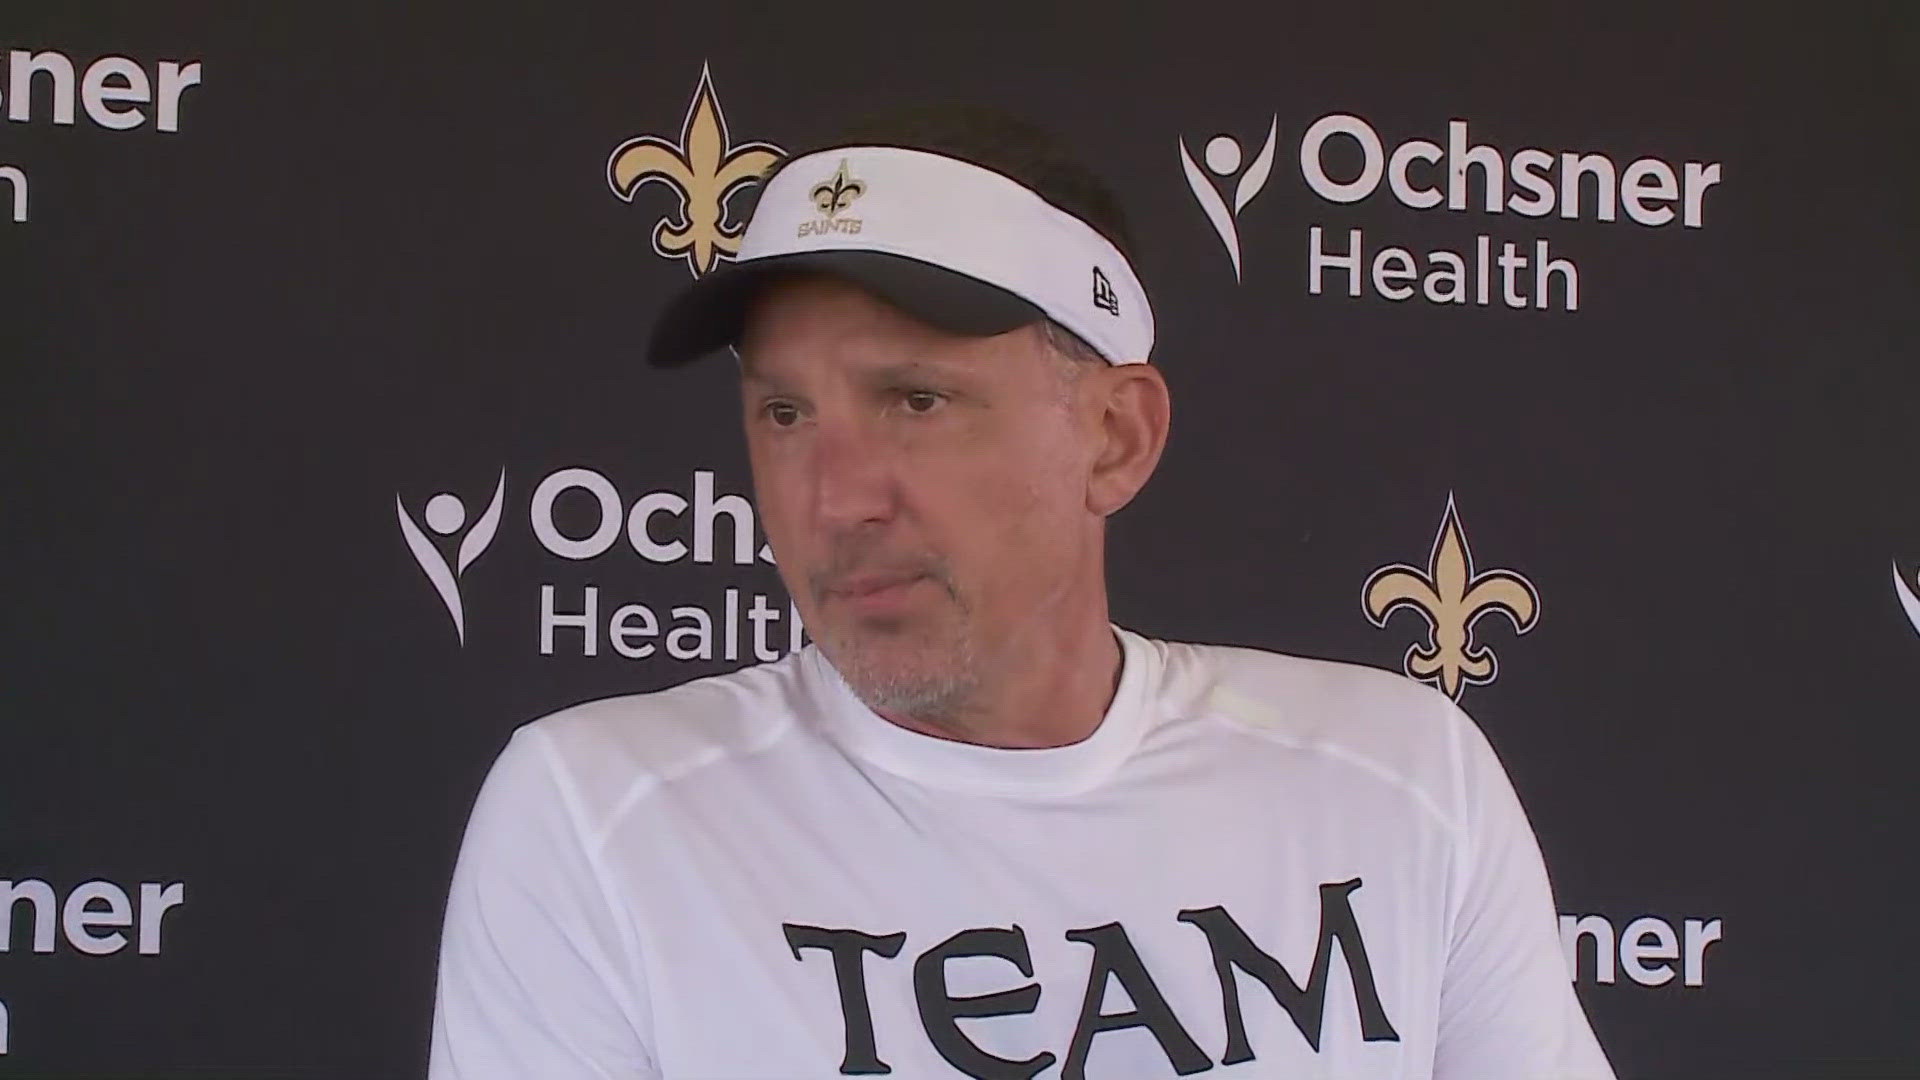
(783, 413)
(921, 401)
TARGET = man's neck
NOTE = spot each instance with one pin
(1050, 689)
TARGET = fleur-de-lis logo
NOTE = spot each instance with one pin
(1451, 597)
(704, 168)
(838, 191)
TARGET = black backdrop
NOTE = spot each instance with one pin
(378, 259)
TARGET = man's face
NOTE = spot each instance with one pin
(925, 493)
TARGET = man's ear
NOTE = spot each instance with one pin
(1134, 411)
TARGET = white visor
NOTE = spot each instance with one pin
(954, 243)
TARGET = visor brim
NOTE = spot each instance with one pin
(710, 313)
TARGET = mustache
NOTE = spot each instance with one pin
(855, 560)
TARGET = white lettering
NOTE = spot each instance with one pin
(1510, 263)
(78, 919)
(1527, 174)
(1392, 271)
(734, 623)
(700, 631)
(174, 81)
(1460, 157)
(82, 912)
(1318, 260)
(640, 526)
(1698, 179)
(1543, 268)
(1403, 189)
(587, 621)
(1524, 183)
(17, 182)
(1645, 181)
(731, 624)
(1635, 951)
(1316, 175)
(106, 88)
(40, 895)
(650, 539)
(1597, 927)
(22, 66)
(706, 508)
(759, 615)
(1391, 266)
(550, 535)
(155, 901)
(618, 631)
(1645, 939)
(1481, 266)
(1572, 168)
(99, 97)
(1700, 933)
(1452, 270)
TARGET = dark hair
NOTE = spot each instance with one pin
(994, 139)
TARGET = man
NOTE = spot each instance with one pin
(976, 830)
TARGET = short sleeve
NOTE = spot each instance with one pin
(1507, 1006)
(535, 978)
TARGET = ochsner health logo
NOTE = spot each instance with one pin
(1223, 157)
(1503, 247)
(445, 514)
(1910, 603)
(579, 516)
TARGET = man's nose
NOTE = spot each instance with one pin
(853, 475)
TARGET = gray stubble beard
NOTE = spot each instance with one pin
(935, 696)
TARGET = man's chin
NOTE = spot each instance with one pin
(878, 642)
(897, 663)
(895, 624)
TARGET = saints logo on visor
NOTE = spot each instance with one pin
(838, 191)
(830, 197)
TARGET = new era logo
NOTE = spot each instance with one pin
(1104, 297)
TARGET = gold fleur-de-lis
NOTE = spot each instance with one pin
(704, 168)
(837, 192)
(1451, 597)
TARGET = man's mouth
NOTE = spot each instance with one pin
(862, 586)
(877, 593)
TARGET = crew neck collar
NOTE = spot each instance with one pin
(991, 770)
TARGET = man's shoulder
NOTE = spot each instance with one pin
(1306, 694)
(1376, 719)
(663, 734)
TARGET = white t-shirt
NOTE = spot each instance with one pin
(1258, 865)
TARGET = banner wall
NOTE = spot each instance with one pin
(1565, 365)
